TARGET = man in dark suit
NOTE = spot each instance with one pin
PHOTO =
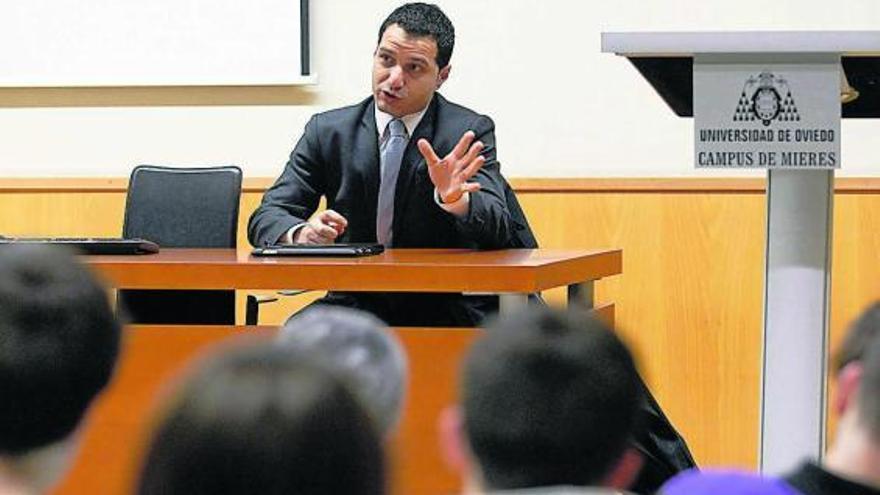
(405, 167)
(459, 200)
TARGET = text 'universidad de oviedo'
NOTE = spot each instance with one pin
(767, 136)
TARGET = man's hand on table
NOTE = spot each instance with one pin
(323, 228)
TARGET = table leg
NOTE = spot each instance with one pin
(581, 295)
(509, 303)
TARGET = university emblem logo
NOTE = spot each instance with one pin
(766, 97)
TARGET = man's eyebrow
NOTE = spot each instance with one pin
(419, 60)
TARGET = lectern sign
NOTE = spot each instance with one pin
(767, 115)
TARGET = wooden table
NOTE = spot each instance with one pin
(154, 357)
(511, 273)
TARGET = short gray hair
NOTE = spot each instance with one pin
(361, 348)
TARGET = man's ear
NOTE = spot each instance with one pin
(452, 440)
(443, 75)
(624, 473)
(848, 381)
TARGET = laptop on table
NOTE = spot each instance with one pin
(342, 249)
(89, 245)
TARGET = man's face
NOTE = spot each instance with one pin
(405, 72)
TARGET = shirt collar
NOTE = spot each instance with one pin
(410, 121)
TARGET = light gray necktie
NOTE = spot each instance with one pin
(392, 155)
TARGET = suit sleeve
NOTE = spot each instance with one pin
(295, 195)
(488, 220)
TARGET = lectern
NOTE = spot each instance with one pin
(773, 100)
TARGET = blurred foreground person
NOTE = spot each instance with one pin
(59, 342)
(360, 347)
(852, 463)
(550, 403)
(260, 421)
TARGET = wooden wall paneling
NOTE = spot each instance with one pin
(855, 259)
(75, 214)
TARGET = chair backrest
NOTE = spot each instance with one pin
(182, 208)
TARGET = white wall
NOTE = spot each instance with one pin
(562, 108)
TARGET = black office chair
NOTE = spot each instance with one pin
(182, 208)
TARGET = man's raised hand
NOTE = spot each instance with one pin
(451, 173)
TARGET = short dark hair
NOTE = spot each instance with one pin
(549, 398)
(862, 344)
(425, 19)
(862, 331)
(869, 390)
(358, 345)
(258, 420)
(59, 341)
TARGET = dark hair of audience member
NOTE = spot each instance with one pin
(861, 333)
(59, 341)
(256, 421)
(358, 345)
(869, 387)
(862, 345)
(423, 19)
(549, 398)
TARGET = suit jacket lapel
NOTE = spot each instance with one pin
(366, 158)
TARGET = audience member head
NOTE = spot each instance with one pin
(358, 345)
(869, 390)
(258, 420)
(856, 447)
(695, 482)
(59, 341)
(548, 398)
(858, 373)
(864, 330)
